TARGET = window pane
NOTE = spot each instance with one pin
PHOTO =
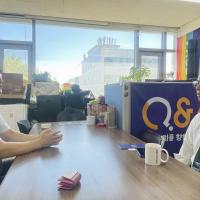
(16, 61)
(152, 62)
(170, 40)
(170, 65)
(150, 40)
(86, 56)
(14, 29)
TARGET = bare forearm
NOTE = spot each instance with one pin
(9, 149)
(12, 136)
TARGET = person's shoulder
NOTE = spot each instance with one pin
(196, 120)
(197, 116)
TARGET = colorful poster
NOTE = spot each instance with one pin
(165, 108)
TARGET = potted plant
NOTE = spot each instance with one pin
(136, 74)
(41, 77)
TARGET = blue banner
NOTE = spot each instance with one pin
(165, 108)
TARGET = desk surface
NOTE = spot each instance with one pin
(107, 172)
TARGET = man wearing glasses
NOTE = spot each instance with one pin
(190, 150)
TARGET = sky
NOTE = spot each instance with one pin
(60, 49)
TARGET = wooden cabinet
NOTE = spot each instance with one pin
(13, 113)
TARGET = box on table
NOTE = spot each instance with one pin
(12, 83)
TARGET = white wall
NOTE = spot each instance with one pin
(189, 27)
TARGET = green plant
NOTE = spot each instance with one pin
(137, 74)
(14, 64)
(41, 77)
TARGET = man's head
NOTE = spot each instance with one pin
(197, 86)
(75, 88)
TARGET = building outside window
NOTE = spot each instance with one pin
(89, 56)
(84, 56)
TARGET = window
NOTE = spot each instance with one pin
(90, 56)
(152, 40)
(170, 40)
(68, 52)
(170, 65)
(15, 29)
(16, 46)
(119, 60)
(16, 61)
(152, 43)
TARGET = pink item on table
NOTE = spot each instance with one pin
(69, 181)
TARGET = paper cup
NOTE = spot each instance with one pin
(45, 126)
(91, 120)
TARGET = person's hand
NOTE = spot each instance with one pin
(48, 138)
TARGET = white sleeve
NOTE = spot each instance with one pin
(3, 125)
(186, 150)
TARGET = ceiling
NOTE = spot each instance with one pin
(168, 13)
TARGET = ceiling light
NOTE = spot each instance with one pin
(191, 1)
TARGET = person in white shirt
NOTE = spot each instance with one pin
(13, 143)
(190, 148)
(191, 142)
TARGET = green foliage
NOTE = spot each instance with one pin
(137, 74)
(15, 65)
(42, 77)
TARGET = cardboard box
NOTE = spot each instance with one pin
(12, 83)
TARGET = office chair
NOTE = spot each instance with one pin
(70, 114)
(75, 101)
(24, 126)
(152, 137)
(48, 107)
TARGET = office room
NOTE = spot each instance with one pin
(99, 99)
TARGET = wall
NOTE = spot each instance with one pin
(189, 27)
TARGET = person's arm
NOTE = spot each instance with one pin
(186, 150)
(45, 139)
(12, 136)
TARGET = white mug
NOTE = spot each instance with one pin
(91, 120)
(153, 154)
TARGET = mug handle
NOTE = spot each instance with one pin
(164, 161)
